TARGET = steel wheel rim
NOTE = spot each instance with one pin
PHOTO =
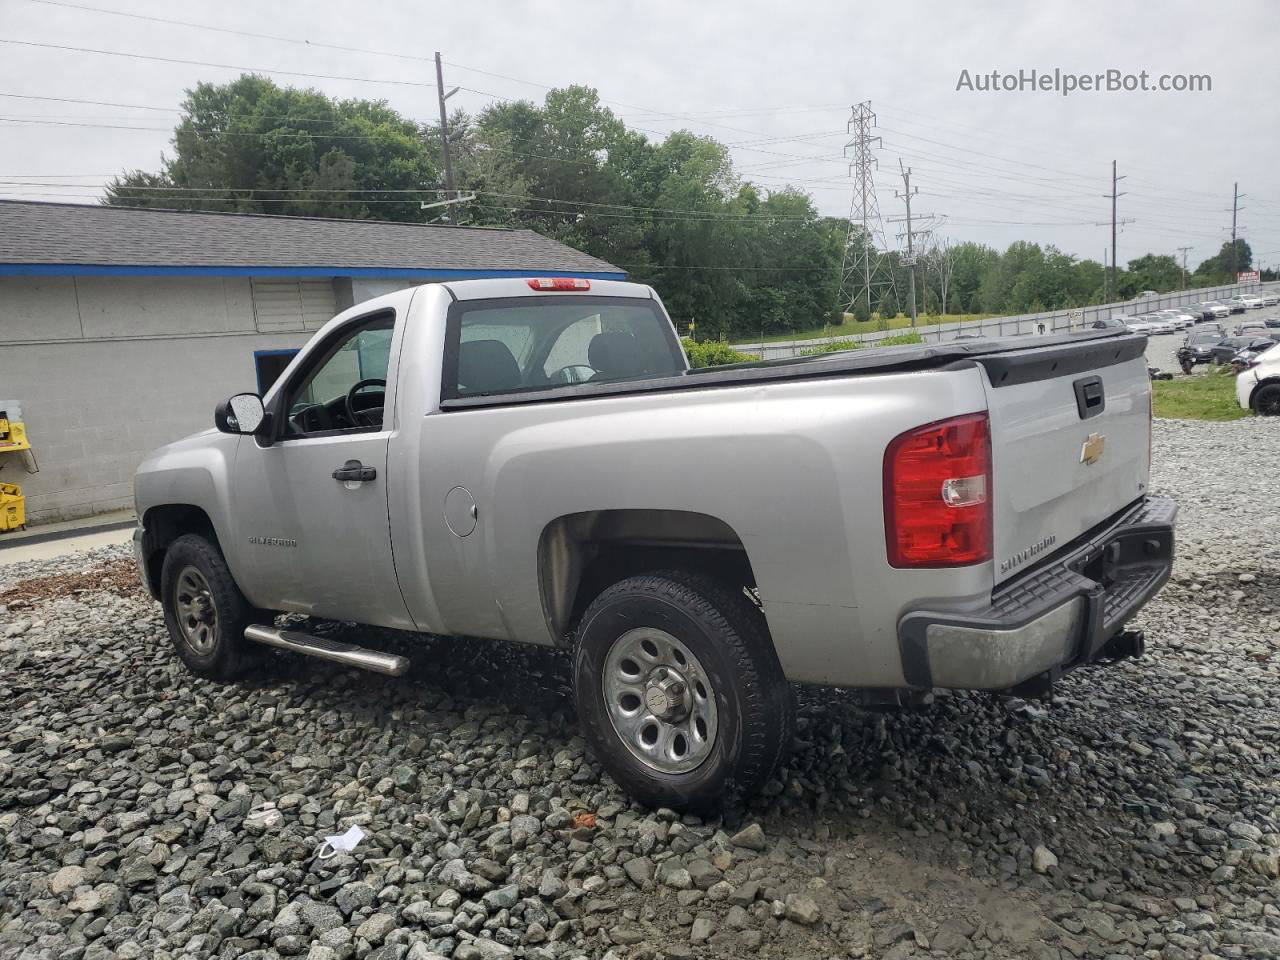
(196, 613)
(660, 701)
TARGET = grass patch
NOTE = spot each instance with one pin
(1211, 397)
(713, 353)
(852, 328)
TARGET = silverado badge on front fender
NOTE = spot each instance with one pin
(1092, 448)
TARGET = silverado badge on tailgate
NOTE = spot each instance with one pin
(1092, 448)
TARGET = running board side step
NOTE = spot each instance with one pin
(323, 648)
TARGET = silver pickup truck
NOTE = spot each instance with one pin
(534, 461)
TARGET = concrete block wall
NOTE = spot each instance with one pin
(108, 368)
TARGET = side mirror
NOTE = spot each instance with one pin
(242, 414)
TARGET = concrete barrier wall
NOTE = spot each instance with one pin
(1078, 318)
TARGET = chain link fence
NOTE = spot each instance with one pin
(1053, 321)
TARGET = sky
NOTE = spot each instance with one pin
(777, 80)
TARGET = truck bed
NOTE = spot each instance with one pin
(1008, 360)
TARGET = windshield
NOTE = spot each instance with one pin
(522, 344)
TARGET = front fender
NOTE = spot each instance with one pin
(194, 471)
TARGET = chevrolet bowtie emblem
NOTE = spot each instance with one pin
(1092, 448)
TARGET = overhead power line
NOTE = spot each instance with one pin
(217, 66)
(231, 32)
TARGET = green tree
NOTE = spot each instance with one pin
(1217, 269)
(251, 146)
(1158, 272)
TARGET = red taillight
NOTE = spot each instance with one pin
(559, 283)
(937, 494)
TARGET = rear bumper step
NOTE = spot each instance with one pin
(1069, 612)
(325, 649)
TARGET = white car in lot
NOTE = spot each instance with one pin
(1258, 385)
(1136, 325)
(1218, 309)
(1179, 317)
(1270, 299)
(1252, 301)
(1159, 324)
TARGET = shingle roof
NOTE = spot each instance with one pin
(57, 233)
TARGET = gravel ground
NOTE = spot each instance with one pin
(145, 813)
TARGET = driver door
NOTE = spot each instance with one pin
(317, 543)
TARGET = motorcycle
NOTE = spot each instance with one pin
(1186, 359)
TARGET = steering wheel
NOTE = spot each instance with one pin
(573, 373)
(364, 418)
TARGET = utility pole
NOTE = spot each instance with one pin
(1235, 209)
(910, 260)
(1112, 291)
(1183, 251)
(444, 138)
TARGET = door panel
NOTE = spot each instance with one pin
(314, 543)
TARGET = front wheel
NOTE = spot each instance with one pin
(679, 691)
(203, 608)
(1266, 401)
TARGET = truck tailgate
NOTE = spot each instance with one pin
(1070, 443)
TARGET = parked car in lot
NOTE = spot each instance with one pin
(510, 459)
(1111, 323)
(1270, 299)
(1218, 308)
(1237, 305)
(1251, 301)
(1159, 324)
(1257, 327)
(1224, 350)
(1258, 385)
(1179, 317)
(1213, 326)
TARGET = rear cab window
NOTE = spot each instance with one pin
(523, 345)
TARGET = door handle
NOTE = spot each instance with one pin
(354, 470)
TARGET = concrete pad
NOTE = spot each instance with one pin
(47, 549)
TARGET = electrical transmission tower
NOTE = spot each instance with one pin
(861, 271)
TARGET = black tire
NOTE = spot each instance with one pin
(225, 655)
(728, 635)
(1266, 400)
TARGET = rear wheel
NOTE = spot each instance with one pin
(203, 608)
(1266, 400)
(679, 691)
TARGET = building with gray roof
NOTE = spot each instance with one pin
(122, 327)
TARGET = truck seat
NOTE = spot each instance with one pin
(487, 366)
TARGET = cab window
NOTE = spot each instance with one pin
(344, 388)
(523, 344)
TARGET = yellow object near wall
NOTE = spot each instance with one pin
(13, 436)
(13, 510)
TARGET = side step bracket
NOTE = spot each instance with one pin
(323, 648)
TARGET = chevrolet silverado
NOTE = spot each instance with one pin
(534, 461)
